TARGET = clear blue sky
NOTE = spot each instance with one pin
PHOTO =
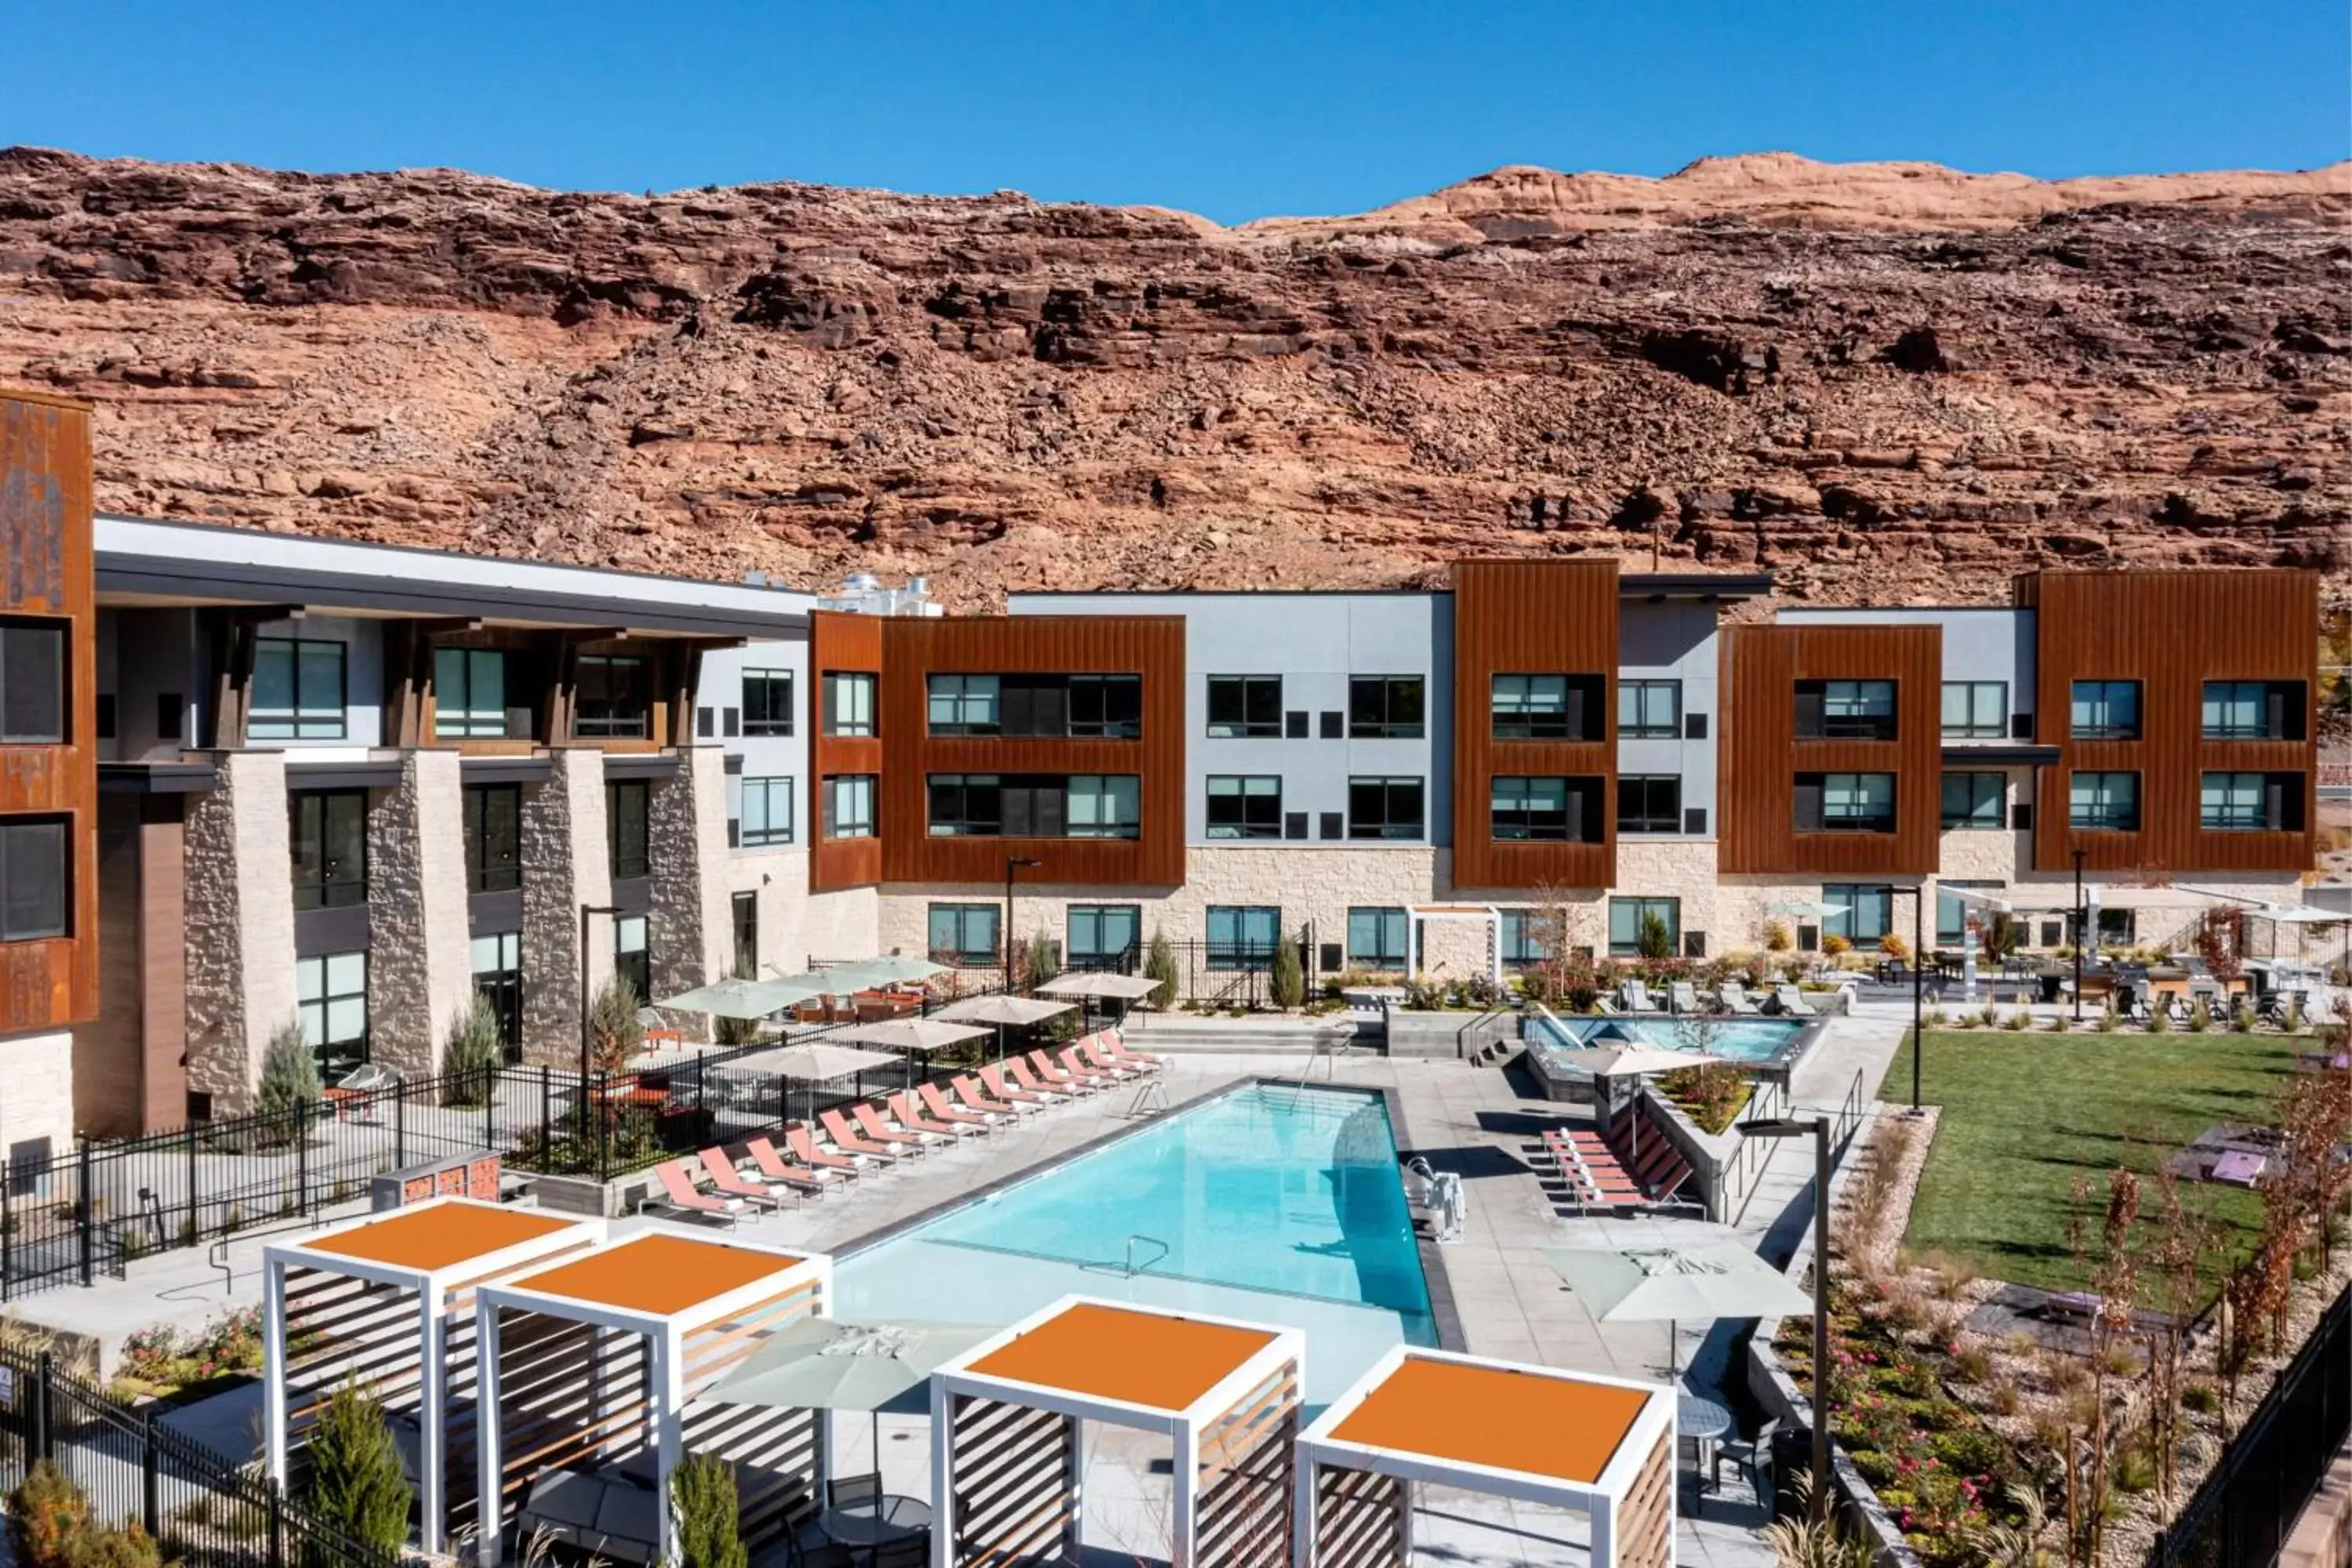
(1237, 110)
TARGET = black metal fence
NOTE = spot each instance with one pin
(2241, 1517)
(205, 1509)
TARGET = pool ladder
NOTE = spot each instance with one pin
(1131, 1269)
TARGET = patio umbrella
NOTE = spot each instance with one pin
(910, 1035)
(739, 998)
(814, 1062)
(1645, 1284)
(1637, 1060)
(1095, 983)
(1017, 1011)
(829, 1363)
(896, 966)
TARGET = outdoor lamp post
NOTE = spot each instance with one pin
(1012, 864)
(1817, 1127)
(1918, 986)
(2079, 912)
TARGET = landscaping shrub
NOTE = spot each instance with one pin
(290, 1087)
(1653, 939)
(1037, 960)
(46, 1514)
(1894, 946)
(2200, 1016)
(471, 1056)
(1779, 937)
(2061, 1024)
(702, 1499)
(2202, 1397)
(2016, 1022)
(2160, 1022)
(1160, 965)
(2242, 1021)
(356, 1484)
(1287, 985)
(615, 1035)
(2107, 1022)
(1934, 1017)
(1833, 944)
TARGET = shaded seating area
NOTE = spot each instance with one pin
(387, 1303)
(1008, 1449)
(594, 1381)
(1601, 1448)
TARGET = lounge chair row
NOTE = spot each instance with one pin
(1615, 1168)
(1683, 997)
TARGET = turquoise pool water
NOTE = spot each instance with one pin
(1752, 1040)
(1272, 1203)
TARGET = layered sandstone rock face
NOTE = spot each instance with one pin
(1881, 382)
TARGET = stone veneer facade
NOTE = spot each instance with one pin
(419, 978)
(240, 925)
(38, 1108)
(566, 863)
(688, 927)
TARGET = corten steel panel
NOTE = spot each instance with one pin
(46, 570)
(849, 643)
(2172, 631)
(1761, 754)
(1530, 618)
(1152, 646)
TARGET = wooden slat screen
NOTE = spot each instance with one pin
(1358, 1519)
(340, 1329)
(1242, 1508)
(569, 1393)
(1646, 1518)
(1014, 1475)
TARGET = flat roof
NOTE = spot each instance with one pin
(657, 1274)
(1562, 1428)
(439, 1235)
(1136, 1357)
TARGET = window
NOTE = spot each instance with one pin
(1036, 806)
(2104, 802)
(2105, 710)
(1384, 808)
(626, 826)
(330, 999)
(1376, 939)
(1243, 936)
(1385, 708)
(2254, 711)
(966, 805)
(2118, 928)
(1545, 707)
(1869, 911)
(767, 702)
(964, 705)
(2233, 802)
(632, 957)
(470, 692)
(1845, 803)
(1103, 934)
(493, 823)
(1244, 706)
(849, 703)
(35, 880)
(743, 917)
(1523, 937)
(615, 697)
(1244, 806)
(964, 934)
(1649, 710)
(1650, 803)
(32, 682)
(1976, 710)
(298, 690)
(1953, 913)
(767, 812)
(1974, 800)
(1531, 808)
(1845, 709)
(849, 805)
(1105, 805)
(1628, 916)
(498, 980)
(1106, 706)
(330, 835)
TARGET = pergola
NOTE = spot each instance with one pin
(388, 1302)
(1599, 1445)
(1485, 914)
(590, 1375)
(1007, 1459)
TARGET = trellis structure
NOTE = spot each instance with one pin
(1598, 1445)
(387, 1302)
(596, 1367)
(1007, 1479)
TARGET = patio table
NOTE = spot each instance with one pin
(1701, 1423)
(876, 1522)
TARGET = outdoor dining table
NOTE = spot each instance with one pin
(876, 1522)
(1701, 1422)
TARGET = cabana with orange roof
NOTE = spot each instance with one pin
(591, 1377)
(1007, 1458)
(387, 1302)
(1598, 1445)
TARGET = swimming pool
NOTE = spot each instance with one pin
(1741, 1040)
(1271, 1203)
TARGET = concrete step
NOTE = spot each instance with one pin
(1250, 1036)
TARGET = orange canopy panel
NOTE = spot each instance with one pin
(1556, 1426)
(440, 1236)
(657, 1274)
(1136, 1357)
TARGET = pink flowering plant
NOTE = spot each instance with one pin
(162, 1360)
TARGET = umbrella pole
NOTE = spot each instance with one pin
(1674, 1352)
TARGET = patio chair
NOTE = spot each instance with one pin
(907, 1552)
(804, 1147)
(941, 1109)
(1027, 1076)
(355, 1088)
(869, 1122)
(1091, 1050)
(1682, 997)
(1051, 1073)
(729, 1182)
(990, 1099)
(817, 1552)
(1789, 1002)
(658, 1030)
(1604, 1006)
(681, 1197)
(1114, 1042)
(1735, 997)
(846, 1138)
(1636, 997)
(902, 1107)
(992, 1078)
(774, 1167)
(847, 1492)
(1068, 1059)
(1753, 1455)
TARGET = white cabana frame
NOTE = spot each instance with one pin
(388, 1300)
(1232, 1440)
(1363, 1516)
(1416, 943)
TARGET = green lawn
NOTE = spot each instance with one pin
(2022, 1112)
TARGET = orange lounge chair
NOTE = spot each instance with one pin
(1115, 1045)
(915, 1119)
(942, 1110)
(870, 1122)
(679, 1195)
(1038, 1070)
(1017, 1071)
(774, 1167)
(1090, 1051)
(1068, 1059)
(804, 1149)
(989, 1096)
(731, 1183)
(846, 1138)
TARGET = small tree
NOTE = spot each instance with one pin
(1653, 939)
(615, 1033)
(471, 1056)
(356, 1484)
(1037, 959)
(47, 1515)
(1160, 965)
(290, 1081)
(702, 1501)
(1287, 984)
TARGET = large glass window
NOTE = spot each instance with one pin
(330, 842)
(298, 690)
(493, 828)
(1102, 934)
(1975, 800)
(1243, 936)
(743, 918)
(1531, 808)
(966, 805)
(849, 805)
(1650, 803)
(1102, 706)
(1952, 913)
(964, 705)
(2105, 710)
(1976, 710)
(498, 980)
(1523, 937)
(2103, 801)
(1385, 707)
(633, 954)
(628, 827)
(470, 692)
(1845, 709)
(2239, 802)
(965, 934)
(1628, 916)
(1384, 808)
(848, 702)
(2254, 711)
(1105, 806)
(1244, 806)
(1545, 707)
(767, 812)
(32, 682)
(1376, 939)
(767, 702)
(1244, 706)
(1869, 911)
(1649, 710)
(1845, 803)
(614, 696)
(36, 879)
(331, 1000)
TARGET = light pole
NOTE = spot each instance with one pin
(1819, 1127)
(1012, 864)
(1918, 986)
(2079, 912)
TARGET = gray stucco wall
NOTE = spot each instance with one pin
(1980, 644)
(1673, 640)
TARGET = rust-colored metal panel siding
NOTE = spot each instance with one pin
(1152, 646)
(46, 571)
(2172, 631)
(1761, 756)
(1530, 618)
(849, 643)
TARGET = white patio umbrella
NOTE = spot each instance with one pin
(829, 1363)
(739, 998)
(896, 966)
(1096, 982)
(910, 1036)
(1645, 1284)
(1001, 1010)
(813, 1062)
(1637, 1060)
